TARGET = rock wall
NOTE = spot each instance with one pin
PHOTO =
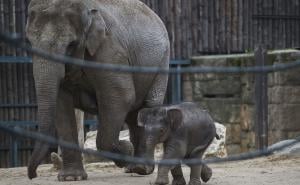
(230, 98)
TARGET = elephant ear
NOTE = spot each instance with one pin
(175, 118)
(95, 31)
(142, 117)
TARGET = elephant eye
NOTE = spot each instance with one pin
(71, 48)
(161, 130)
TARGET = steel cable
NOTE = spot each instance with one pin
(18, 42)
(137, 160)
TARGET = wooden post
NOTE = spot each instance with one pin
(261, 100)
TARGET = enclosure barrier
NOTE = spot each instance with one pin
(16, 41)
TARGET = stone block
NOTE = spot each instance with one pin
(284, 94)
(247, 117)
(291, 77)
(247, 141)
(233, 149)
(223, 88)
(284, 117)
(276, 136)
(187, 94)
(247, 94)
(223, 110)
(293, 135)
(233, 134)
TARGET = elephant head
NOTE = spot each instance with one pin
(64, 27)
(158, 124)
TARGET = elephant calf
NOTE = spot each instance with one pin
(186, 131)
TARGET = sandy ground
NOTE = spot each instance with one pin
(275, 170)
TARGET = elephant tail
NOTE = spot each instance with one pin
(38, 155)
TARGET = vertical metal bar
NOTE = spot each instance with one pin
(261, 100)
(14, 152)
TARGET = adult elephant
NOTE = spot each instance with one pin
(121, 32)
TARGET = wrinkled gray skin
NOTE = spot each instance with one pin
(105, 31)
(186, 131)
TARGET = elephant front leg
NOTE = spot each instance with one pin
(174, 149)
(115, 98)
(72, 168)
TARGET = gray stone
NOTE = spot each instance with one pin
(247, 114)
(233, 133)
(217, 148)
(223, 110)
(284, 94)
(222, 88)
(276, 136)
(233, 149)
(247, 141)
(284, 117)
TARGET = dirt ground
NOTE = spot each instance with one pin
(275, 170)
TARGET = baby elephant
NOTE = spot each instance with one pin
(186, 131)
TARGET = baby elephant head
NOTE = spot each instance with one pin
(158, 123)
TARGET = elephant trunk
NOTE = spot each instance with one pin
(47, 78)
(146, 169)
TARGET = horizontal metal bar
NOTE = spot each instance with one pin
(287, 17)
(19, 123)
(180, 62)
(18, 105)
(13, 59)
(33, 123)
(7, 148)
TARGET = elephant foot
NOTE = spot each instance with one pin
(206, 173)
(195, 182)
(129, 168)
(141, 169)
(126, 148)
(162, 180)
(72, 175)
(179, 181)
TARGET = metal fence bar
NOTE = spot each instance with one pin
(261, 100)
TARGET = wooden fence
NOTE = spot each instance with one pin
(228, 26)
(195, 27)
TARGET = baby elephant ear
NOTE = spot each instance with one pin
(175, 118)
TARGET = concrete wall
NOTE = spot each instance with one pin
(230, 98)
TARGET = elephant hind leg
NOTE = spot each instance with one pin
(72, 168)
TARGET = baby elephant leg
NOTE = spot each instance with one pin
(177, 174)
(195, 175)
(206, 173)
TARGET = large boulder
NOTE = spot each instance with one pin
(216, 149)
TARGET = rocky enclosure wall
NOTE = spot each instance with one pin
(230, 98)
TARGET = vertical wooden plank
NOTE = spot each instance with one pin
(240, 26)
(200, 25)
(228, 25)
(223, 26)
(189, 42)
(234, 26)
(217, 27)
